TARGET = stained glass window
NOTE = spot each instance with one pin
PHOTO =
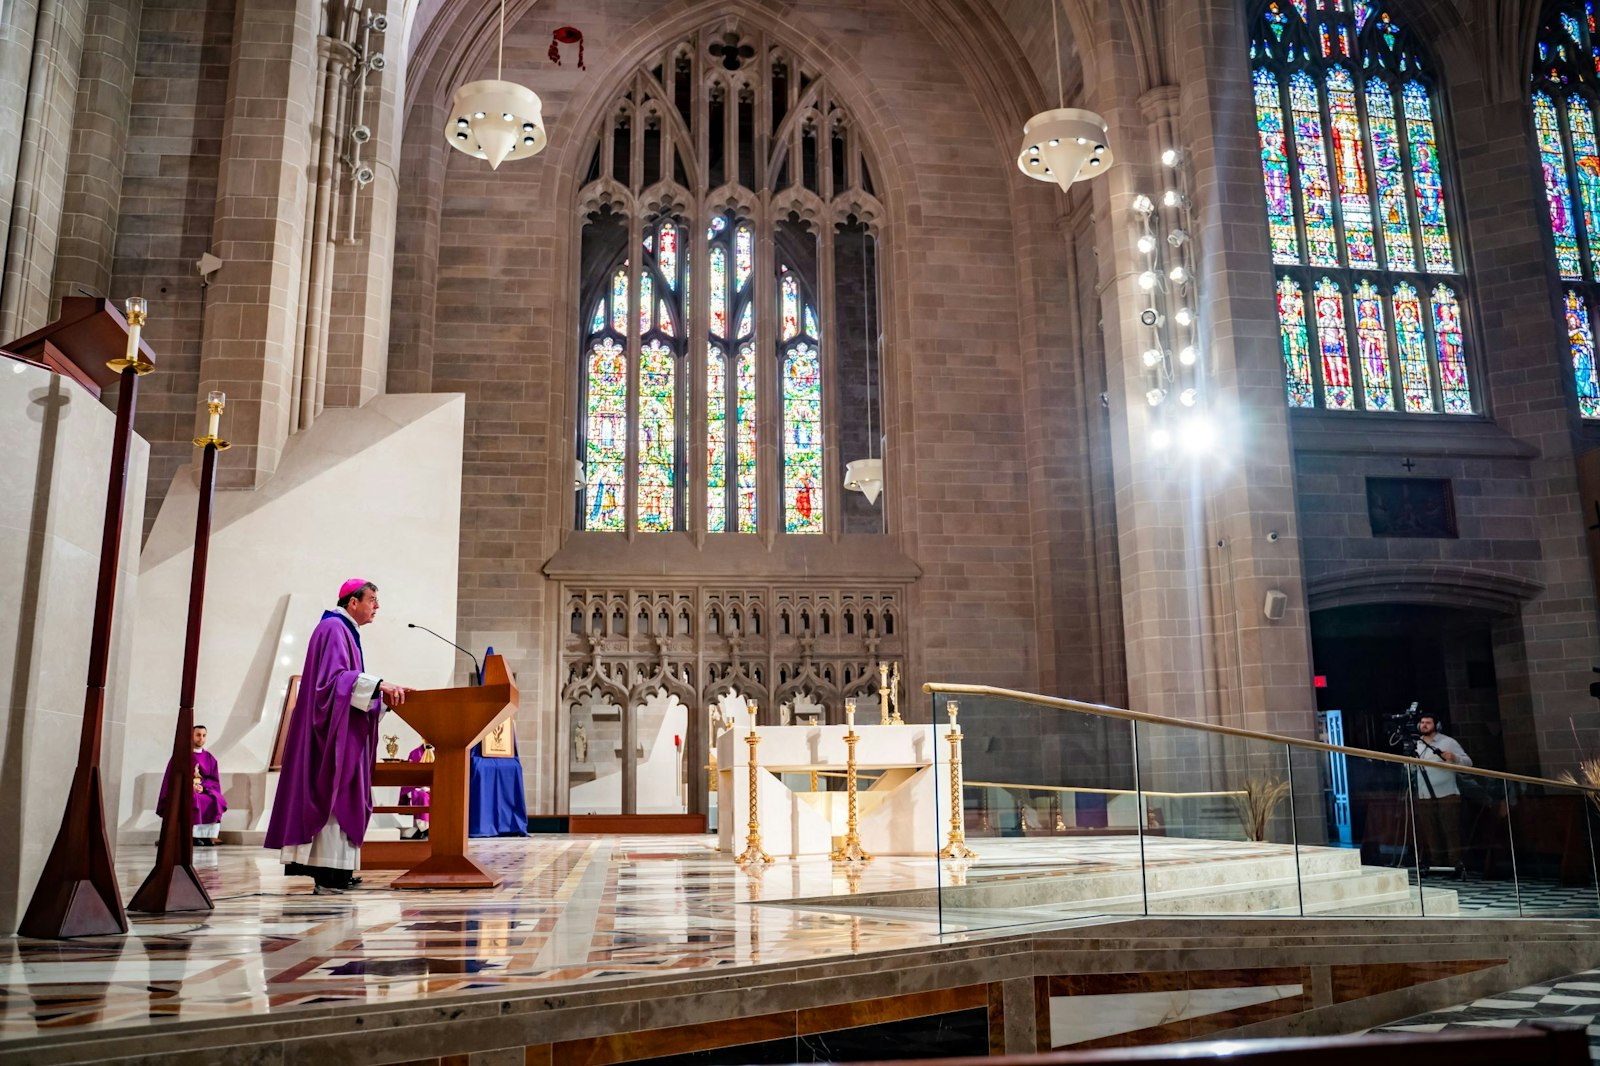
(1333, 339)
(1411, 338)
(802, 440)
(1394, 207)
(1580, 337)
(657, 436)
(745, 420)
(676, 367)
(1350, 162)
(606, 437)
(1372, 340)
(1452, 359)
(1296, 348)
(1316, 194)
(716, 440)
(1275, 170)
(1564, 96)
(731, 495)
(1357, 212)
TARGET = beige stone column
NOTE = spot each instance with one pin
(99, 142)
(40, 49)
(248, 346)
(1196, 557)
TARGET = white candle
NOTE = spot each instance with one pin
(850, 713)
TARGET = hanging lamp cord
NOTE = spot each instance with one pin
(500, 63)
(1055, 36)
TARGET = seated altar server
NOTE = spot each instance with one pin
(319, 819)
(417, 795)
(208, 800)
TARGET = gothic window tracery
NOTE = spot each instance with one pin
(1369, 279)
(1564, 97)
(728, 198)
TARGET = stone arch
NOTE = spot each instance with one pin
(1423, 583)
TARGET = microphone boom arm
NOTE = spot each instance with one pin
(477, 671)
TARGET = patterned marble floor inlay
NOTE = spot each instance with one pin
(593, 909)
(1574, 999)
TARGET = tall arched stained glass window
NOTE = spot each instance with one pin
(1368, 272)
(1565, 95)
(706, 329)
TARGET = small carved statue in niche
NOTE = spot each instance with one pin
(785, 713)
(580, 744)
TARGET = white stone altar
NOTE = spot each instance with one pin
(903, 812)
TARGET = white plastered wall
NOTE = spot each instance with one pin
(371, 492)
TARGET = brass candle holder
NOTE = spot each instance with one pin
(753, 852)
(956, 848)
(894, 696)
(851, 850)
(216, 403)
(133, 358)
(883, 693)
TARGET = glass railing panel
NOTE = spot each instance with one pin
(1551, 851)
(1356, 824)
(1048, 806)
(1218, 828)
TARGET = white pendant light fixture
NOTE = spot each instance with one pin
(1064, 144)
(866, 475)
(496, 120)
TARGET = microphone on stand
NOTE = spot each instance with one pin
(477, 671)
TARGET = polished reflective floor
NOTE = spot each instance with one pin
(596, 909)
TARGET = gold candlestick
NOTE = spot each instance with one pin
(851, 851)
(956, 848)
(753, 852)
(133, 357)
(894, 696)
(216, 403)
(883, 693)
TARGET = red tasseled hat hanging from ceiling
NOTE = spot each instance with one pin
(566, 35)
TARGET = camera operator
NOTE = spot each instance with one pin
(1438, 797)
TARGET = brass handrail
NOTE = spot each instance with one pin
(1103, 711)
(1108, 791)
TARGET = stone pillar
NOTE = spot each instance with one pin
(99, 143)
(1196, 561)
(40, 49)
(252, 306)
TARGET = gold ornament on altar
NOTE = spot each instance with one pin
(199, 783)
(392, 748)
(957, 846)
(894, 696)
(883, 693)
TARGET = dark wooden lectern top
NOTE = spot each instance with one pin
(453, 720)
(90, 331)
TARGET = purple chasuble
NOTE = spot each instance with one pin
(331, 746)
(208, 802)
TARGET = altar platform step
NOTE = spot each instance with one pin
(1272, 882)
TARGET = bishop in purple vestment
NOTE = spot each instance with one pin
(208, 800)
(319, 818)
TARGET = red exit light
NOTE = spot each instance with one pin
(1319, 681)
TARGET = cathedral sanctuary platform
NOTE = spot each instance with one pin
(616, 949)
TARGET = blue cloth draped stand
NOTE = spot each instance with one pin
(496, 804)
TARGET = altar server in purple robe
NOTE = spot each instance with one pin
(319, 819)
(415, 796)
(208, 800)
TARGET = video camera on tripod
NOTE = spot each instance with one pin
(1403, 731)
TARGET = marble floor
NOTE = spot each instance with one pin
(571, 910)
(1574, 1000)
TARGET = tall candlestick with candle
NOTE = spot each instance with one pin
(894, 696)
(753, 851)
(957, 846)
(883, 693)
(851, 850)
